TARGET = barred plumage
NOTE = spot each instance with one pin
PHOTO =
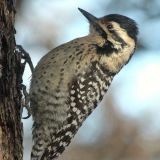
(71, 80)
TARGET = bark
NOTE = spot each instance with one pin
(10, 93)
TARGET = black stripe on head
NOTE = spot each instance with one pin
(106, 49)
(126, 23)
(116, 37)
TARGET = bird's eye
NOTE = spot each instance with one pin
(110, 26)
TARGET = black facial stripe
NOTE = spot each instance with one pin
(107, 48)
(100, 31)
(126, 23)
(116, 37)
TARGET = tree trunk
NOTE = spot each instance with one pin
(10, 93)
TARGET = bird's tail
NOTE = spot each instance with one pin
(41, 139)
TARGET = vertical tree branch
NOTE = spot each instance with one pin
(10, 93)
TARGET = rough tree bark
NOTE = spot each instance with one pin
(10, 93)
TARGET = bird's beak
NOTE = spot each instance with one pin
(92, 19)
(94, 22)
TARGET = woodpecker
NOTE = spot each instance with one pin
(70, 80)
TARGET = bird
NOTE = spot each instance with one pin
(71, 80)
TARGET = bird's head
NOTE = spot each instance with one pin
(117, 29)
(119, 36)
